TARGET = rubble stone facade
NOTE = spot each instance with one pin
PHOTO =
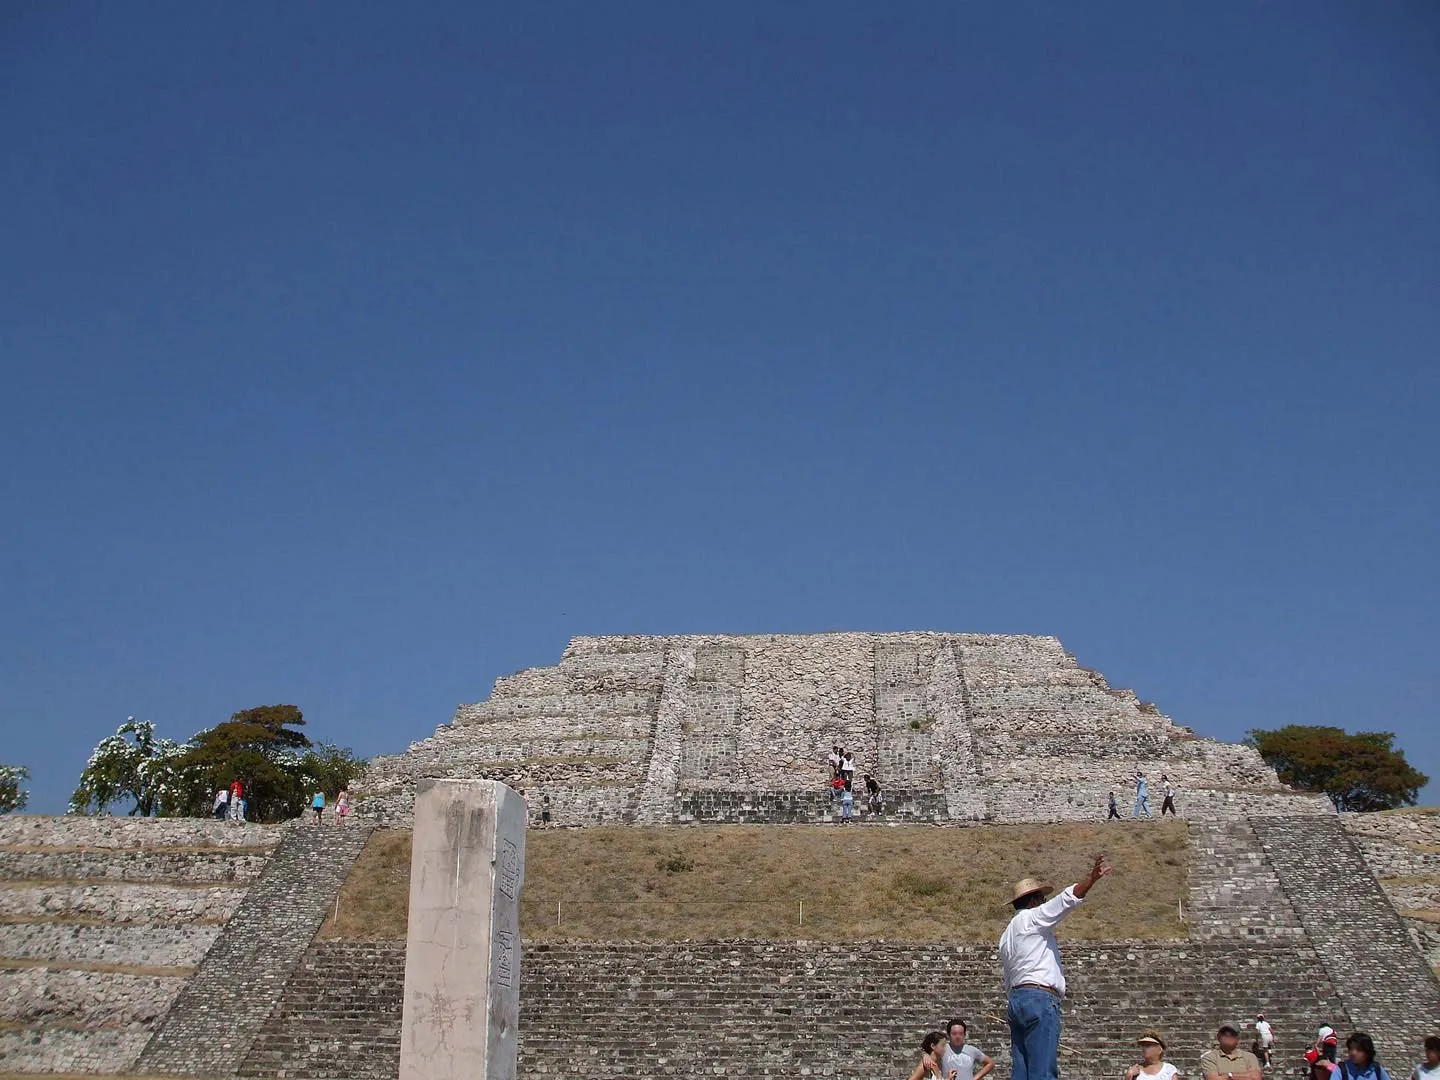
(957, 727)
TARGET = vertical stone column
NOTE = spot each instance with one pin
(462, 953)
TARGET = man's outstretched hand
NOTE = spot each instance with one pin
(1099, 870)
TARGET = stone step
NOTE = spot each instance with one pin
(220, 1010)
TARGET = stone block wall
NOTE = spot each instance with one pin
(1006, 727)
(1384, 982)
(786, 1009)
(217, 1014)
(102, 922)
(1402, 849)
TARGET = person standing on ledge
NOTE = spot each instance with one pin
(1034, 980)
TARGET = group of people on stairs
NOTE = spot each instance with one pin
(1035, 987)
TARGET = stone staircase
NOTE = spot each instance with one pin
(784, 1009)
(1235, 892)
(1368, 954)
(218, 1013)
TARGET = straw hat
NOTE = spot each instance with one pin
(1028, 887)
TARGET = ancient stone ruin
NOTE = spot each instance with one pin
(192, 947)
(957, 727)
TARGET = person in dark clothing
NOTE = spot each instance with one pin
(1114, 809)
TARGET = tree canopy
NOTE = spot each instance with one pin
(1359, 772)
(13, 795)
(262, 746)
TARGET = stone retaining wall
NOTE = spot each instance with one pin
(141, 900)
(785, 1009)
(123, 903)
(237, 866)
(142, 945)
(85, 997)
(1402, 849)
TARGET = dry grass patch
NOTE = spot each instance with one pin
(903, 883)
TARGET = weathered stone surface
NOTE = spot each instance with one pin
(1370, 956)
(462, 962)
(133, 945)
(123, 903)
(218, 1012)
(996, 727)
(76, 831)
(786, 1009)
(239, 866)
(108, 912)
(87, 998)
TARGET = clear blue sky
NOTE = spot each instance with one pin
(353, 356)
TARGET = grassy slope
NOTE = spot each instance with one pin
(906, 883)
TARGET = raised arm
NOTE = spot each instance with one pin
(1099, 870)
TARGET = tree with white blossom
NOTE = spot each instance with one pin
(13, 795)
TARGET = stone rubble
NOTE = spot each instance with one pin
(1001, 727)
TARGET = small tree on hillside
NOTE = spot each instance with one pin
(1359, 772)
(13, 795)
(133, 765)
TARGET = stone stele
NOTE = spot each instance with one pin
(462, 956)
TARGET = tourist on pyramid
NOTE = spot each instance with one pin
(317, 804)
(1228, 1061)
(1359, 1062)
(1142, 796)
(343, 807)
(1168, 805)
(1429, 1069)
(929, 1066)
(847, 806)
(1264, 1040)
(959, 1058)
(1327, 1042)
(222, 804)
(874, 797)
(837, 788)
(1152, 1059)
(833, 760)
(1034, 980)
(847, 768)
(1114, 814)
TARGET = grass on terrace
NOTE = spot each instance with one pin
(906, 883)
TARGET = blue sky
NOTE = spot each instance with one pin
(353, 356)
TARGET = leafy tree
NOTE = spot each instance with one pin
(12, 796)
(134, 765)
(262, 746)
(1358, 772)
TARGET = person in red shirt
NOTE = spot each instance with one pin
(237, 799)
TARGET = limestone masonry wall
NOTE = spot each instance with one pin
(786, 1009)
(1402, 849)
(102, 921)
(997, 727)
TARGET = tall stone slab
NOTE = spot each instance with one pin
(462, 956)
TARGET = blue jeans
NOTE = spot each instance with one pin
(1034, 1034)
(1142, 806)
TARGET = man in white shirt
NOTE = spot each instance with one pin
(960, 1057)
(1034, 981)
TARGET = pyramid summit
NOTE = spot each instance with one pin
(736, 728)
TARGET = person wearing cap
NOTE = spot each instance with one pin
(1264, 1040)
(1326, 1042)
(1152, 1059)
(1034, 980)
(1228, 1061)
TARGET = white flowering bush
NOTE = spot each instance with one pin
(13, 795)
(279, 766)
